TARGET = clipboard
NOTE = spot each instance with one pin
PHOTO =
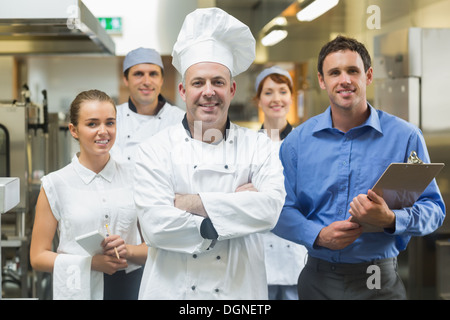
(401, 184)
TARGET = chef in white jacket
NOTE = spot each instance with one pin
(206, 189)
(146, 112)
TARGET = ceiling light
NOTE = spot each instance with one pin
(316, 9)
(273, 37)
(280, 21)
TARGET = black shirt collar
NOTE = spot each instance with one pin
(161, 102)
(284, 133)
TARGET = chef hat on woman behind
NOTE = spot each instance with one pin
(269, 71)
(212, 35)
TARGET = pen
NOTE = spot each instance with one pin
(115, 249)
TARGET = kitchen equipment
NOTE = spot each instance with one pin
(411, 77)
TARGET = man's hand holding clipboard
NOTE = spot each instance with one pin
(400, 186)
(372, 212)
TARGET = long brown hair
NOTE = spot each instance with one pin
(89, 95)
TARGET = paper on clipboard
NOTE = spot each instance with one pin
(401, 184)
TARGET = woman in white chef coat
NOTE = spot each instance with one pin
(284, 259)
(92, 193)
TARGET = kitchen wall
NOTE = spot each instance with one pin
(6, 76)
(64, 76)
(352, 18)
(151, 23)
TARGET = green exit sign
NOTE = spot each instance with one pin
(111, 25)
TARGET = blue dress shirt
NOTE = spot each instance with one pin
(326, 168)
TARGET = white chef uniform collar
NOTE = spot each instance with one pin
(212, 35)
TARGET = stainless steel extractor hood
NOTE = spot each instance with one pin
(51, 27)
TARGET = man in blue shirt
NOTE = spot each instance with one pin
(330, 163)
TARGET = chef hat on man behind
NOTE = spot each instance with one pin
(212, 35)
(142, 55)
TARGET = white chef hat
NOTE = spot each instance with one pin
(142, 55)
(270, 71)
(212, 35)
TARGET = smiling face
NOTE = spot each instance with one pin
(208, 91)
(345, 80)
(96, 127)
(275, 99)
(144, 83)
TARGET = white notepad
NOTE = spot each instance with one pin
(91, 242)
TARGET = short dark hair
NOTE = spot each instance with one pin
(341, 43)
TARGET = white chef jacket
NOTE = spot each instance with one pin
(83, 201)
(181, 264)
(133, 128)
(284, 259)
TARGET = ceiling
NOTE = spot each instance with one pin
(306, 38)
(303, 36)
(255, 13)
(332, 21)
(258, 13)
